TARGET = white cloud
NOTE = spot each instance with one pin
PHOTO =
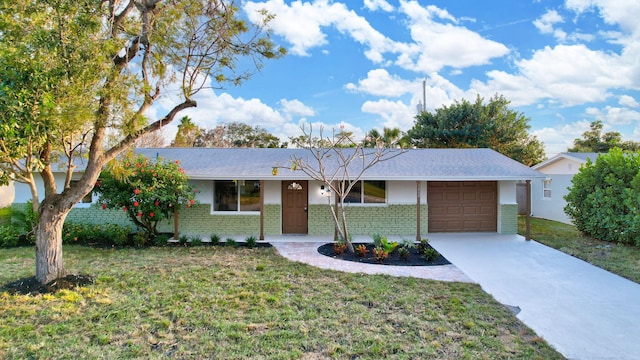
(215, 109)
(570, 74)
(437, 40)
(296, 107)
(380, 83)
(396, 114)
(301, 25)
(374, 5)
(560, 139)
(615, 115)
(628, 101)
(623, 13)
(439, 44)
(546, 22)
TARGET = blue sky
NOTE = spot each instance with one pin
(361, 65)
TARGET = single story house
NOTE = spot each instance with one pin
(417, 192)
(547, 194)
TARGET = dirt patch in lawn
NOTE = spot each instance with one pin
(415, 257)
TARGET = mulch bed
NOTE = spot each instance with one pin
(30, 285)
(415, 257)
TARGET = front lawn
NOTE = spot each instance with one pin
(220, 302)
(620, 259)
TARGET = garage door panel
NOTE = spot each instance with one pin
(452, 196)
(462, 206)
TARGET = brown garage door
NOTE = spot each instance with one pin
(462, 206)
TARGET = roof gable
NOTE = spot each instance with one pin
(577, 158)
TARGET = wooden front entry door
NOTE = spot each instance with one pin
(294, 207)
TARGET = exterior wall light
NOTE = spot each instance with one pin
(325, 191)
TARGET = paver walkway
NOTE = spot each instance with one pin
(583, 311)
(307, 252)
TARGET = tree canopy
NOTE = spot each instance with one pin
(478, 125)
(187, 133)
(390, 137)
(594, 140)
(78, 71)
(236, 134)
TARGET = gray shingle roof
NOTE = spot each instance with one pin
(583, 155)
(414, 164)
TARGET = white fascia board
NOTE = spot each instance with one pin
(384, 178)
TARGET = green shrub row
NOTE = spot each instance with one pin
(96, 235)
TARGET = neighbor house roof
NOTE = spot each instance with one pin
(413, 164)
(580, 157)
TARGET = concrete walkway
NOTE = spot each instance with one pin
(581, 310)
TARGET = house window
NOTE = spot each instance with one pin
(236, 195)
(546, 188)
(87, 199)
(367, 192)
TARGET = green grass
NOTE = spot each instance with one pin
(620, 259)
(222, 302)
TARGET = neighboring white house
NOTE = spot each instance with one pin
(7, 195)
(547, 195)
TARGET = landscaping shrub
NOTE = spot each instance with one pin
(251, 242)
(9, 236)
(603, 201)
(149, 193)
(98, 235)
(215, 239)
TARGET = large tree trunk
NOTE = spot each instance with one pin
(49, 264)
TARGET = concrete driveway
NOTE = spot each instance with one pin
(581, 310)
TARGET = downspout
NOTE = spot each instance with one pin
(335, 207)
(261, 209)
(528, 216)
(418, 227)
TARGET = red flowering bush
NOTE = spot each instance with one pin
(148, 191)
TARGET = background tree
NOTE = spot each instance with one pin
(100, 66)
(594, 140)
(187, 133)
(148, 191)
(154, 139)
(478, 125)
(604, 199)
(395, 137)
(236, 134)
(339, 166)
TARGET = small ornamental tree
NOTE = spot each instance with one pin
(604, 199)
(147, 191)
(339, 163)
